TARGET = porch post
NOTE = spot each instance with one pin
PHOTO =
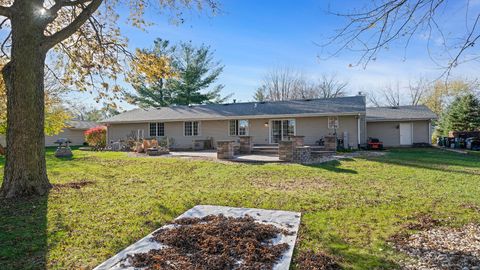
(298, 140)
(330, 143)
(246, 144)
(285, 150)
(225, 149)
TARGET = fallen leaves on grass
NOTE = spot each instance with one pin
(74, 185)
(422, 222)
(296, 184)
(442, 248)
(310, 260)
(214, 242)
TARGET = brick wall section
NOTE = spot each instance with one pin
(246, 144)
(225, 149)
(288, 151)
(298, 140)
(330, 143)
(285, 150)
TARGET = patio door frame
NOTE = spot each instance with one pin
(270, 129)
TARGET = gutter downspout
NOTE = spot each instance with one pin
(358, 131)
(430, 131)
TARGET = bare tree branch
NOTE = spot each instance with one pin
(69, 30)
(377, 26)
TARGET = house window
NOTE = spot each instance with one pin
(190, 128)
(333, 122)
(157, 129)
(238, 127)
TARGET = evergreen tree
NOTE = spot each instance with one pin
(463, 114)
(261, 94)
(176, 75)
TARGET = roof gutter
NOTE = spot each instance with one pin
(400, 119)
(235, 117)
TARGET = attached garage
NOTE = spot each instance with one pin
(400, 126)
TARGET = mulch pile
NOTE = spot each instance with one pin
(441, 248)
(214, 242)
(310, 260)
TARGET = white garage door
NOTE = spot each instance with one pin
(405, 133)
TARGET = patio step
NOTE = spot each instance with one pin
(265, 149)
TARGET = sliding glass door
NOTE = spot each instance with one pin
(281, 130)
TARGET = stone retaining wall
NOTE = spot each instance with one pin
(302, 155)
(289, 151)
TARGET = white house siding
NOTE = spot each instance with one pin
(389, 133)
(75, 135)
(313, 128)
(118, 132)
(421, 132)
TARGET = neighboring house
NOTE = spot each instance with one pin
(74, 131)
(266, 122)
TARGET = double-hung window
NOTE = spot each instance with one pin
(238, 127)
(157, 129)
(333, 122)
(190, 128)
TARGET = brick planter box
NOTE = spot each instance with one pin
(156, 151)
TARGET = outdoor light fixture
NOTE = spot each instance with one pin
(266, 124)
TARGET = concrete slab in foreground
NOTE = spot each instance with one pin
(282, 219)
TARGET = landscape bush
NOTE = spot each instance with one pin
(96, 137)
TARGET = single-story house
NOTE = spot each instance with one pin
(74, 130)
(270, 122)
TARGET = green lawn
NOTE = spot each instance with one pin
(349, 208)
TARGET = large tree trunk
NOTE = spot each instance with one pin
(25, 167)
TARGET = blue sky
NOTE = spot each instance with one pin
(252, 37)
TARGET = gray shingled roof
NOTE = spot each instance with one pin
(420, 112)
(332, 106)
(81, 124)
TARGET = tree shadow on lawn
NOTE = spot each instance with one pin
(23, 233)
(334, 166)
(357, 257)
(432, 159)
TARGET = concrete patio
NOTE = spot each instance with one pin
(212, 154)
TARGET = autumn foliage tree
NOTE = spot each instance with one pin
(87, 50)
